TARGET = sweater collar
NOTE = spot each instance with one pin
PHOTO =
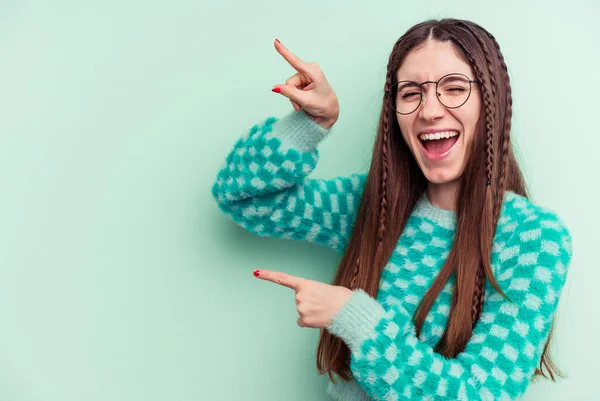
(424, 208)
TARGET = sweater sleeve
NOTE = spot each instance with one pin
(389, 362)
(264, 184)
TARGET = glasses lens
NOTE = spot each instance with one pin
(454, 90)
(406, 97)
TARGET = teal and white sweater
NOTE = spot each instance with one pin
(264, 187)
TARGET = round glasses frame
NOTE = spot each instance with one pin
(389, 92)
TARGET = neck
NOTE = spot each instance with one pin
(443, 196)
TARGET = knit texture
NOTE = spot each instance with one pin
(264, 187)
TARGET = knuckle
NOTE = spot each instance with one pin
(316, 69)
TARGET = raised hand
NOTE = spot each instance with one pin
(317, 303)
(309, 90)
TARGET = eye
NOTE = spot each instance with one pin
(409, 95)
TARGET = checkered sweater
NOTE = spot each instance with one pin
(264, 187)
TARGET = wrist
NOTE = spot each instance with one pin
(328, 124)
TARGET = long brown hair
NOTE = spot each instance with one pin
(395, 183)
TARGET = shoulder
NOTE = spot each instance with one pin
(534, 235)
(518, 206)
(520, 215)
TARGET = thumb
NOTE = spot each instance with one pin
(291, 92)
(296, 106)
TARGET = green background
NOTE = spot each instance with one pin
(120, 279)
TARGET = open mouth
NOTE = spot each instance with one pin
(438, 145)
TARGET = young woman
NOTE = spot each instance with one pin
(450, 275)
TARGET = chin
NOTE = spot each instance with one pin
(441, 177)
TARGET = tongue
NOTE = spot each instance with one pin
(439, 146)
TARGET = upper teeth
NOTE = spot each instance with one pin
(438, 135)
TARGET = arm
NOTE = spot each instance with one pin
(498, 362)
(264, 184)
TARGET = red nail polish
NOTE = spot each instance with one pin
(257, 273)
(276, 90)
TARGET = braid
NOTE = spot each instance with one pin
(492, 110)
(385, 148)
(488, 130)
(478, 295)
(488, 99)
(489, 109)
(504, 143)
(385, 165)
(505, 138)
(356, 269)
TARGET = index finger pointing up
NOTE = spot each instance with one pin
(292, 59)
(280, 278)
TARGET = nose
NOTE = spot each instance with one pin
(430, 108)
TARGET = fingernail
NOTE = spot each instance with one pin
(277, 40)
(276, 90)
(257, 273)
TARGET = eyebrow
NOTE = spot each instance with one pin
(411, 83)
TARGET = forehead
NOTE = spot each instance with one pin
(432, 61)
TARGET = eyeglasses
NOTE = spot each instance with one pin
(453, 90)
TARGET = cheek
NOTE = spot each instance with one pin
(470, 126)
(404, 125)
(469, 117)
(474, 111)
